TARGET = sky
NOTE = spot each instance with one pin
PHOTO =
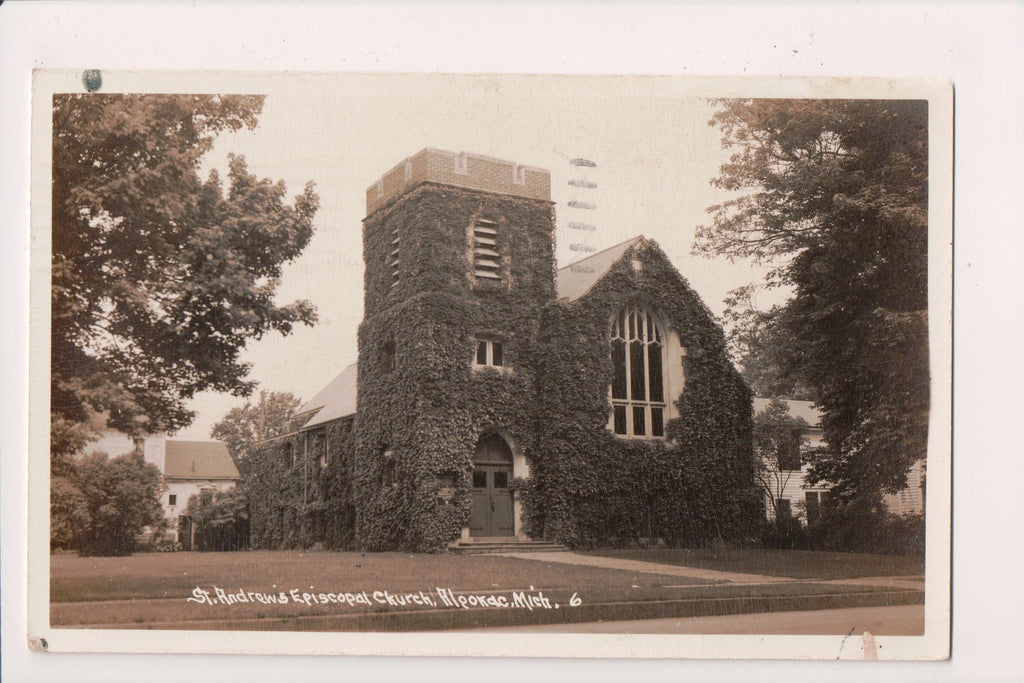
(654, 150)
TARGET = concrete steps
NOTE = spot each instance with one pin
(506, 544)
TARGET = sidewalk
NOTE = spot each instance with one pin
(712, 575)
(697, 573)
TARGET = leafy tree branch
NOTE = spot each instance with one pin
(836, 193)
(160, 278)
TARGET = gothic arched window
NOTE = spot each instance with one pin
(638, 383)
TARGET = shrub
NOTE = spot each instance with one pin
(785, 534)
(906, 535)
(66, 505)
(118, 498)
(866, 526)
(67, 439)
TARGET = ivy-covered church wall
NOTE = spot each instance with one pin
(590, 487)
(401, 478)
(299, 490)
(422, 404)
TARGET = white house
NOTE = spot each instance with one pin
(786, 482)
(804, 502)
(909, 501)
(189, 468)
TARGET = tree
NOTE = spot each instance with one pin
(159, 279)
(222, 523)
(67, 506)
(834, 194)
(241, 427)
(777, 444)
(115, 500)
(67, 439)
(757, 345)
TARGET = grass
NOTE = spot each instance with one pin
(609, 604)
(794, 564)
(154, 587)
(174, 575)
(150, 590)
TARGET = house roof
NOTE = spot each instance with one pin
(576, 279)
(198, 460)
(802, 409)
(336, 400)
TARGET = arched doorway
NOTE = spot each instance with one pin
(492, 513)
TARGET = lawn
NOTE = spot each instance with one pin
(152, 591)
(794, 564)
(175, 575)
(154, 587)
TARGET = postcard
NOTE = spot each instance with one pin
(492, 365)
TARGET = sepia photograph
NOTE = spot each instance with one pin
(400, 354)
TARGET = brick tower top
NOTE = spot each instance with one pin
(462, 169)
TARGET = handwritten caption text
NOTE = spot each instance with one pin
(438, 597)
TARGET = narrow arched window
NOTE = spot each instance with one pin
(387, 356)
(638, 383)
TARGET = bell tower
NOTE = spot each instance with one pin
(459, 254)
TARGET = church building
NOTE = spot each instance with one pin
(499, 397)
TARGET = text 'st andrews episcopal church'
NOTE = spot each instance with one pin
(499, 399)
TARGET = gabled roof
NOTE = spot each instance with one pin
(337, 399)
(198, 460)
(802, 409)
(576, 279)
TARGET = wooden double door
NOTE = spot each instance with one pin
(492, 512)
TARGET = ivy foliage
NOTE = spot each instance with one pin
(401, 479)
(295, 501)
(594, 488)
(420, 418)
